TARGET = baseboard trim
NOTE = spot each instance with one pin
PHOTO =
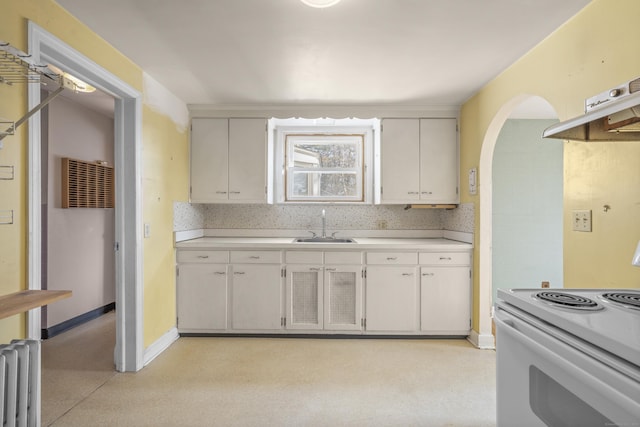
(319, 336)
(483, 342)
(163, 343)
(51, 332)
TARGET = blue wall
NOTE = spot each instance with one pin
(527, 206)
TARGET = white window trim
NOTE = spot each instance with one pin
(280, 128)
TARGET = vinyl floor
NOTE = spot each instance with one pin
(268, 382)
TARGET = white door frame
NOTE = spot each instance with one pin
(46, 48)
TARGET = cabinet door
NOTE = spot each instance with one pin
(438, 161)
(400, 160)
(304, 297)
(248, 160)
(343, 297)
(209, 157)
(202, 297)
(256, 296)
(445, 300)
(391, 299)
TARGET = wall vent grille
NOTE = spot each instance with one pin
(87, 184)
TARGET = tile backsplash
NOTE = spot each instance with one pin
(346, 217)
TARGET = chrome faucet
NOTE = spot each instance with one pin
(324, 225)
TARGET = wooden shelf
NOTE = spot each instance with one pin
(22, 301)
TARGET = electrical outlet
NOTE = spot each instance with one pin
(581, 220)
(147, 230)
(382, 224)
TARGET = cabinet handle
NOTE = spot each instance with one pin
(392, 258)
(254, 257)
(221, 192)
(428, 274)
(427, 192)
(447, 258)
(220, 273)
(315, 268)
(330, 269)
(407, 274)
(203, 256)
(234, 192)
(238, 272)
(413, 192)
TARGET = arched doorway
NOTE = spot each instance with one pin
(515, 253)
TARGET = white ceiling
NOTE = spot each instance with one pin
(281, 52)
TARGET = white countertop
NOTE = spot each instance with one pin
(361, 243)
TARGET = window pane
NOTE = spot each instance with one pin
(325, 185)
(332, 155)
(324, 167)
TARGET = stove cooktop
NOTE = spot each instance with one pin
(607, 318)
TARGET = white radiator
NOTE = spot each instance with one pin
(20, 383)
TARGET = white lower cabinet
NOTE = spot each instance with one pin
(391, 299)
(320, 296)
(256, 290)
(202, 297)
(343, 297)
(426, 293)
(445, 300)
(304, 297)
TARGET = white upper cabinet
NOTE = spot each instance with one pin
(419, 161)
(228, 160)
(209, 160)
(439, 161)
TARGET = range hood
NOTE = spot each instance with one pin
(613, 115)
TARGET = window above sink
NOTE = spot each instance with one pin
(323, 160)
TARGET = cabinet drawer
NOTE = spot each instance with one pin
(445, 258)
(184, 256)
(256, 257)
(303, 257)
(392, 258)
(343, 257)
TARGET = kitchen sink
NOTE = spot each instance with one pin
(322, 240)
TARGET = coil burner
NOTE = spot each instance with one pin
(570, 301)
(625, 299)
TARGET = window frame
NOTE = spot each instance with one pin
(290, 141)
(280, 128)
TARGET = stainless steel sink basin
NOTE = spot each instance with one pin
(322, 240)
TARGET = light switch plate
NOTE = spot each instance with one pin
(581, 220)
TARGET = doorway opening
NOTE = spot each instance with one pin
(514, 217)
(78, 219)
(46, 48)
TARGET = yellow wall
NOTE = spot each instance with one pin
(165, 169)
(595, 50)
(164, 160)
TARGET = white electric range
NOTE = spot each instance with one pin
(568, 357)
